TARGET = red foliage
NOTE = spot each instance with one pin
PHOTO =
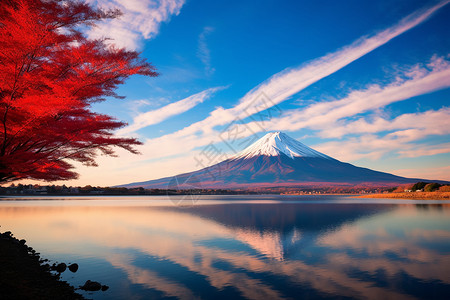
(50, 73)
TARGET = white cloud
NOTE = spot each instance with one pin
(435, 121)
(433, 173)
(283, 85)
(375, 147)
(203, 53)
(425, 150)
(129, 168)
(400, 136)
(141, 19)
(325, 116)
(157, 116)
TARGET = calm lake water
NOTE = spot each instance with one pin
(242, 247)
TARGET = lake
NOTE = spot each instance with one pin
(241, 247)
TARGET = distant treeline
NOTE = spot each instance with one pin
(21, 189)
(422, 187)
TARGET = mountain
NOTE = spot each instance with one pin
(277, 160)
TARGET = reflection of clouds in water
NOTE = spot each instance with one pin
(267, 243)
(62, 225)
(176, 236)
(397, 234)
(296, 236)
(149, 279)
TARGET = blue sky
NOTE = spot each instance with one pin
(366, 82)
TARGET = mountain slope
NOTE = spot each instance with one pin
(276, 160)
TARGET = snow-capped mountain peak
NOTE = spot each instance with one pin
(277, 143)
(276, 160)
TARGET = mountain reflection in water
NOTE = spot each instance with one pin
(245, 250)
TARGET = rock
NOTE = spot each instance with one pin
(91, 286)
(73, 268)
(104, 288)
(59, 267)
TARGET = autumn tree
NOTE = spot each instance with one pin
(50, 74)
(431, 187)
(418, 186)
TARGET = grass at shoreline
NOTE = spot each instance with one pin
(412, 196)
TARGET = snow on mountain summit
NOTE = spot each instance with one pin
(276, 160)
(275, 143)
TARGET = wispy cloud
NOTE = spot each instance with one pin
(203, 53)
(325, 116)
(157, 116)
(141, 19)
(371, 146)
(281, 87)
(425, 150)
(414, 126)
(154, 102)
(432, 173)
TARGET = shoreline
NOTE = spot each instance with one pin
(411, 195)
(25, 275)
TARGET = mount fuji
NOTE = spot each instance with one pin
(277, 160)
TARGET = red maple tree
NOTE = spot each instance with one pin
(50, 74)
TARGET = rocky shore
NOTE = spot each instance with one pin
(24, 275)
